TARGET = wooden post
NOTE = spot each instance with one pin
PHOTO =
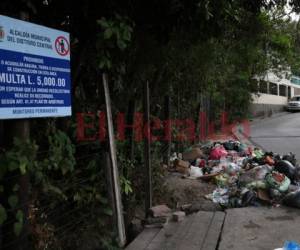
(197, 122)
(22, 131)
(148, 172)
(209, 113)
(114, 170)
(19, 129)
(167, 118)
(110, 187)
(130, 132)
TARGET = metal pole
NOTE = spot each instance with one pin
(115, 172)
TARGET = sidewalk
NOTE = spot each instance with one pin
(263, 228)
(200, 231)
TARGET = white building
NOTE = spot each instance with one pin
(274, 92)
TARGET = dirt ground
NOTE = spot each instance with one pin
(183, 191)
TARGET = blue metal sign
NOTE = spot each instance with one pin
(35, 76)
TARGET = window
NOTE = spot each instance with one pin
(273, 88)
(282, 90)
(263, 87)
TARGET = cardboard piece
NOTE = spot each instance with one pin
(182, 166)
(160, 211)
(178, 216)
(192, 154)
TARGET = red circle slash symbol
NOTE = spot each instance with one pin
(62, 46)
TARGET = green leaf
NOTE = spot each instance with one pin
(13, 201)
(77, 197)
(23, 168)
(3, 215)
(16, 187)
(127, 35)
(107, 211)
(103, 23)
(121, 44)
(23, 164)
(20, 216)
(18, 228)
(128, 189)
(56, 190)
(13, 165)
(39, 176)
(108, 33)
(64, 170)
(102, 199)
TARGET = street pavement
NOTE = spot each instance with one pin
(259, 228)
(279, 134)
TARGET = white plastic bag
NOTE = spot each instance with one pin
(195, 172)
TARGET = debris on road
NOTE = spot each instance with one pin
(192, 154)
(243, 175)
(160, 211)
(178, 216)
(182, 166)
(290, 245)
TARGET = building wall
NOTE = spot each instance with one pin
(296, 91)
(269, 99)
(260, 109)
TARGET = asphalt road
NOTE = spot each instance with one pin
(280, 134)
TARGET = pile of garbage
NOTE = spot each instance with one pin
(244, 176)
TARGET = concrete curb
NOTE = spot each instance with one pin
(243, 138)
(262, 119)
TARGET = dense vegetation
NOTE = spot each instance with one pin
(184, 49)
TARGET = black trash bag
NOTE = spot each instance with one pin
(269, 154)
(234, 202)
(275, 194)
(286, 168)
(249, 199)
(292, 199)
(260, 161)
(229, 145)
(291, 158)
(277, 157)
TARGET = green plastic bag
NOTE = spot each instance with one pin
(258, 153)
(282, 186)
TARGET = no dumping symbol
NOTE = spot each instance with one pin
(62, 46)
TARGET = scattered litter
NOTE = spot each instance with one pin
(278, 181)
(182, 166)
(217, 152)
(220, 195)
(258, 153)
(291, 245)
(286, 168)
(195, 172)
(192, 154)
(292, 199)
(160, 211)
(178, 216)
